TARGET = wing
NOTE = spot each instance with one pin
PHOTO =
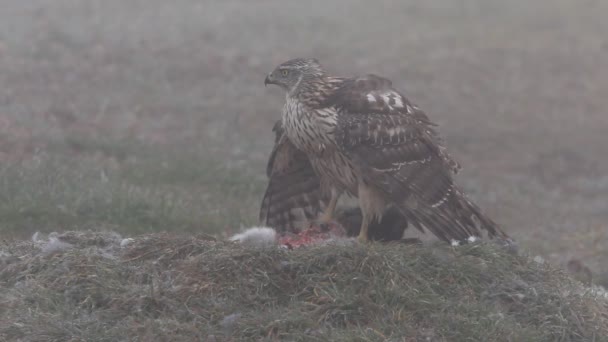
(399, 151)
(294, 194)
(375, 95)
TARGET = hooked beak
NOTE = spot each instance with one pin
(268, 80)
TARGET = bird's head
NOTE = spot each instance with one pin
(289, 75)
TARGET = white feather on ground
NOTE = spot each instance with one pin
(51, 245)
(257, 237)
(126, 242)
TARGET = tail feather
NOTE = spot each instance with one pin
(473, 213)
(456, 218)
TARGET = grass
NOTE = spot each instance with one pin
(182, 288)
(126, 187)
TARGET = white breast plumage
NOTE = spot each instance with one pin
(310, 130)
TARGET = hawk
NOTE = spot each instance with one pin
(364, 138)
(294, 197)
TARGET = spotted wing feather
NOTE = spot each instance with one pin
(398, 150)
(294, 195)
(374, 95)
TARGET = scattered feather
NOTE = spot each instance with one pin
(257, 237)
(229, 322)
(54, 245)
(126, 242)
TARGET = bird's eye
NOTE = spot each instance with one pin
(284, 72)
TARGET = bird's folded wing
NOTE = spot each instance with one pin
(293, 196)
(397, 150)
(397, 154)
(391, 139)
(374, 96)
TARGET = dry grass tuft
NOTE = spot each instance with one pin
(100, 287)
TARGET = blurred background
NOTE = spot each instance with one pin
(141, 116)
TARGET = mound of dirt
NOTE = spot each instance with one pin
(98, 286)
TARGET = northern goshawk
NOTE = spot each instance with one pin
(361, 136)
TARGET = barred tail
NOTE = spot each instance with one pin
(455, 218)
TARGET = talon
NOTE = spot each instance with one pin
(325, 219)
(362, 239)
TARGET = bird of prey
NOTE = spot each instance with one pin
(294, 197)
(363, 137)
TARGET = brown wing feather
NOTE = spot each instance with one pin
(294, 195)
(399, 151)
(375, 95)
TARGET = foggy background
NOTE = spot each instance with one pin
(140, 116)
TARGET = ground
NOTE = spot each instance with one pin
(100, 286)
(146, 116)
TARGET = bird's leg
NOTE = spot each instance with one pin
(328, 213)
(363, 233)
(372, 207)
